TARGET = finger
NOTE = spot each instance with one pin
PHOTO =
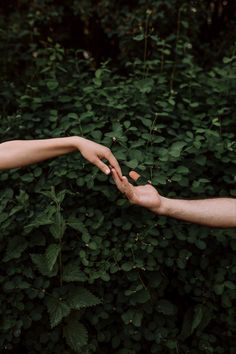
(134, 175)
(102, 166)
(128, 189)
(118, 180)
(141, 181)
(124, 186)
(114, 163)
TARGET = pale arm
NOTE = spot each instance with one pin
(216, 212)
(19, 153)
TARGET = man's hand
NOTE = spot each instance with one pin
(214, 212)
(146, 196)
(95, 153)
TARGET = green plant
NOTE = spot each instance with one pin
(82, 270)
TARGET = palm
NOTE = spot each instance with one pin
(146, 196)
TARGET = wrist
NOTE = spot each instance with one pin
(162, 206)
(76, 142)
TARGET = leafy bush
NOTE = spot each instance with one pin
(82, 270)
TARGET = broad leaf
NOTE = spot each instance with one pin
(80, 298)
(57, 310)
(51, 255)
(76, 335)
(15, 247)
(71, 272)
(197, 318)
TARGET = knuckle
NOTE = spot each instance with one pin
(95, 161)
(108, 151)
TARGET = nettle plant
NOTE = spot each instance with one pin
(82, 270)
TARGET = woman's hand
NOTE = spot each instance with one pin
(19, 153)
(95, 153)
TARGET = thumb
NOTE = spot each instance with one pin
(140, 180)
(134, 175)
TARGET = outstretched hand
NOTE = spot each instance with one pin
(146, 196)
(95, 153)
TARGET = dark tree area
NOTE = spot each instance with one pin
(105, 28)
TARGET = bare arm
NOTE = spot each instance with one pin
(18, 153)
(216, 212)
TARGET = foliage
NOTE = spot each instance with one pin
(82, 270)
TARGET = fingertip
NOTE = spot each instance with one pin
(134, 175)
(117, 170)
(113, 171)
(125, 181)
(107, 171)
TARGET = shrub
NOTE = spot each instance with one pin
(82, 270)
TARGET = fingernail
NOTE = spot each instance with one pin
(107, 172)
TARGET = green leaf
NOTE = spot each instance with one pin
(219, 289)
(230, 285)
(160, 179)
(71, 272)
(194, 104)
(166, 307)
(137, 318)
(127, 316)
(146, 122)
(73, 115)
(76, 335)
(92, 245)
(139, 37)
(200, 244)
(171, 101)
(187, 324)
(176, 148)
(98, 73)
(227, 60)
(133, 163)
(171, 344)
(57, 310)
(41, 220)
(145, 85)
(51, 255)
(182, 170)
(58, 228)
(140, 297)
(127, 266)
(80, 298)
(77, 225)
(41, 263)
(15, 247)
(197, 318)
(52, 84)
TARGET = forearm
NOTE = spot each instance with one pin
(217, 212)
(18, 153)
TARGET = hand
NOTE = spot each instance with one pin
(146, 196)
(94, 153)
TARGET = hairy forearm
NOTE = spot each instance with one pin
(18, 153)
(216, 212)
